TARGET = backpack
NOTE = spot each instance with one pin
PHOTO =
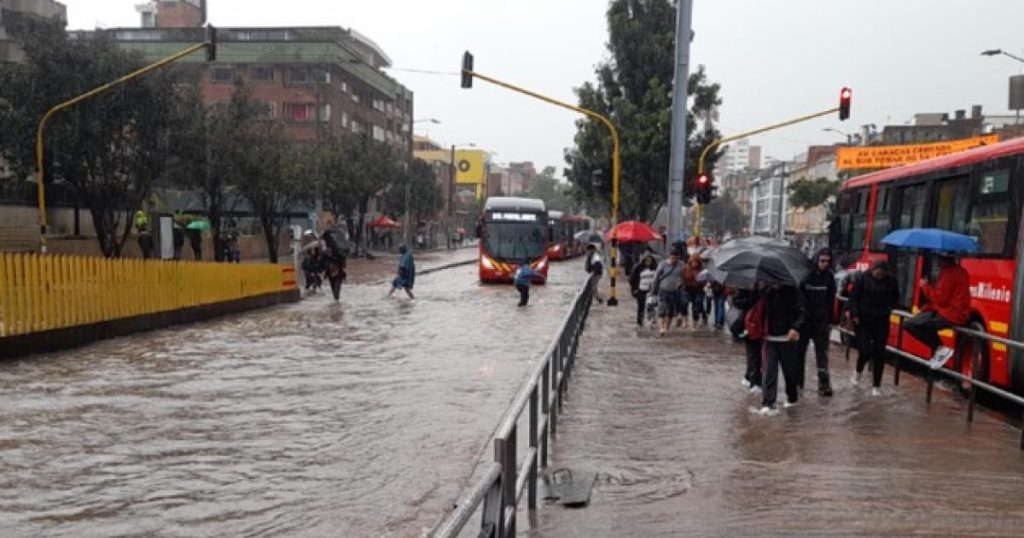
(755, 320)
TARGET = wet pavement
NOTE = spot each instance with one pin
(361, 418)
(666, 424)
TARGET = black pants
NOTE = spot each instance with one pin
(872, 335)
(524, 293)
(641, 306)
(697, 303)
(925, 326)
(776, 354)
(818, 334)
(755, 350)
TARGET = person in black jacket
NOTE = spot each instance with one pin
(784, 314)
(872, 299)
(819, 291)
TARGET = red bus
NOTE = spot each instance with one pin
(512, 230)
(976, 192)
(562, 230)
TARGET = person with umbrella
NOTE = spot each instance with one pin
(195, 237)
(819, 292)
(949, 305)
(871, 301)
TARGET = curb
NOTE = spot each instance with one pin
(447, 266)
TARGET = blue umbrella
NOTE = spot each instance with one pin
(931, 239)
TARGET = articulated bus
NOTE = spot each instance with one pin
(512, 230)
(979, 193)
(562, 230)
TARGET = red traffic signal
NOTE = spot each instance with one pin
(467, 70)
(845, 96)
(703, 180)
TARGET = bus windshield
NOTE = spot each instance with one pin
(515, 239)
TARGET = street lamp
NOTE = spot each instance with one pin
(431, 120)
(996, 52)
(849, 137)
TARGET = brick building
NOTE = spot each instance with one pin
(326, 75)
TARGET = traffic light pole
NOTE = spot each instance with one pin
(616, 163)
(41, 129)
(733, 138)
(680, 95)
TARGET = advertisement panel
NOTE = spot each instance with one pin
(852, 158)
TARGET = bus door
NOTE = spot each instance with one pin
(912, 203)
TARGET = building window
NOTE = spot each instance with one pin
(355, 96)
(344, 87)
(344, 119)
(222, 74)
(379, 133)
(308, 75)
(356, 128)
(265, 110)
(306, 112)
(262, 73)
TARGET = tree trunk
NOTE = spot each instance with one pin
(270, 234)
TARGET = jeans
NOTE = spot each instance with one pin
(776, 354)
(872, 335)
(524, 293)
(641, 305)
(696, 298)
(719, 301)
(817, 333)
(925, 326)
(755, 350)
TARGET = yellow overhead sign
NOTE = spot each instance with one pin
(888, 156)
(469, 167)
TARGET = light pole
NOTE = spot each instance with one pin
(996, 52)
(849, 137)
(782, 193)
(1016, 83)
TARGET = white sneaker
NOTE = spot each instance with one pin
(764, 411)
(756, 390)
(787, 404)
(942, 355)
(745, 383)
(875, 392)
(855, 378)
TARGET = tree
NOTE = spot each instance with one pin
(425, 197)
(108, 149)
(211, 152)
(812, 193)
(546, 187)
(356, 168)
(274, 177)
(634, 89)
(723, 215)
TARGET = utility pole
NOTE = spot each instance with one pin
(451, 191)
(318, 195)
(680, 98)
(782, 197)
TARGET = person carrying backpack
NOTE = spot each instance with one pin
(668, 285)
(751, 331)
(784, 314)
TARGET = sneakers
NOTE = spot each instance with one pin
(875, 392)
(787, 404)
(764, 411)
(745, 382)
(942, 354)
(855, 378)
(756, 389)
(825, 390)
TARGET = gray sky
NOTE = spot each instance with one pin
(775, 59)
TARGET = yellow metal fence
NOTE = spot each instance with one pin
(44, 292)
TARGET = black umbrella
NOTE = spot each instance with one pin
(743, 262)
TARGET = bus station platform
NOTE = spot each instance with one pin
(668, 428)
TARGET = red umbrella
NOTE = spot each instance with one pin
(632, 231)
(383, 222)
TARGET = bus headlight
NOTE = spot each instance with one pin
(486, 262)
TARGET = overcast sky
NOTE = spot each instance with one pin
(774, 59)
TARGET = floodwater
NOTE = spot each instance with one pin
(667, 427)
(363, 418)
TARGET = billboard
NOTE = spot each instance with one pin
(852, 158)
(470, 167)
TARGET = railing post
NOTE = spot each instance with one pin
(896, 360)
(931, 383)
(545, 395)
(554, 388)
(975, 351)
(509, 479)
(532, 481)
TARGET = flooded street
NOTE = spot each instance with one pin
(667, 426)
(362, 418)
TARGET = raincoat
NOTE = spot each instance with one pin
(406, 270)
(951, 295)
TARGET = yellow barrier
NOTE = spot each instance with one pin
(40, 293)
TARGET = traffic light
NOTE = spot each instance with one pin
(467, 70)
(211, 43)
(845, 95)
(703, 187)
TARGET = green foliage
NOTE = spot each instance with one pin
(811, 193)
(109, 149)
(634, 89)
(723, 216)
(555, 194)
(425, 197)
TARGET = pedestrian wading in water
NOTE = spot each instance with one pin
(406, 273)
(872, 299)
(523, 277)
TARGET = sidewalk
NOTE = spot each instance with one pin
(666, 425)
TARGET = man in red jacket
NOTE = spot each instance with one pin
(950, 305)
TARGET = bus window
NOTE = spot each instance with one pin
(859, 218)
(912, 204)
(990, 214)
(952, 202)
(881, 226)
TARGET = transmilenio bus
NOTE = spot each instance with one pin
(976, 192)
(562, 230)
(512, 230)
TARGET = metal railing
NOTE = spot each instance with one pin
(980, 339)
(503, 481)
